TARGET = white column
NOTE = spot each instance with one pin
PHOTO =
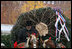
(59, 2)
(48, 2)
(44, 1)
(52, 2)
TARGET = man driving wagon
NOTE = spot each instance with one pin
(26, 32)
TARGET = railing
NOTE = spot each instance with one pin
(6, 28)
(55, 2)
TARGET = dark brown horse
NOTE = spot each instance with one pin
(48, 43)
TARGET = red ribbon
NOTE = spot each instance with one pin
(49, 37)
(63, 47)
(15, 44)
(33, 33)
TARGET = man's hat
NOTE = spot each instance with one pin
(28, 23)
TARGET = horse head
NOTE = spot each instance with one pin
(48, 43)
(33, 41)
